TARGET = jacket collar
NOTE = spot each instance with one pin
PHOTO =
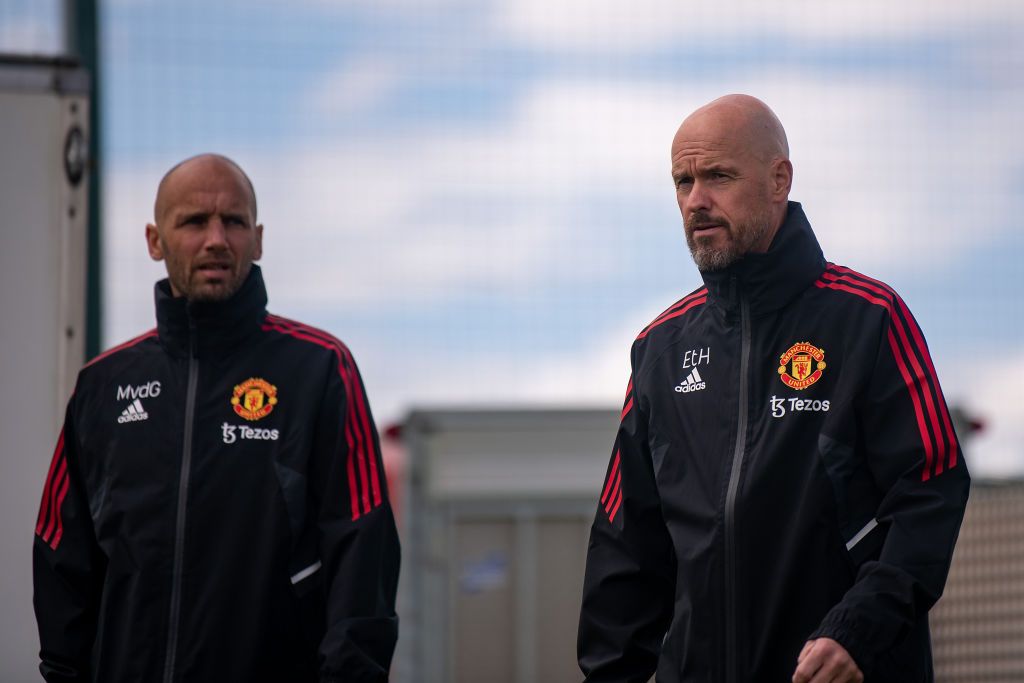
(210, 326)
(771, 280)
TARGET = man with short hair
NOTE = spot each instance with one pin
(216, 508)
(785, 487)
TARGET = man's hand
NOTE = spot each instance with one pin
(823, 660)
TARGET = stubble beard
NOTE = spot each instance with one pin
(187, 283)
(742, 238)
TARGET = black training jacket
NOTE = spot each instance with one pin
(785, 469)
(216, 509)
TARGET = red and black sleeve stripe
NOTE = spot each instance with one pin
(365, 492)
(611, 496)
(50, 525)
(120, 347)
(914, 363)
(677, 309)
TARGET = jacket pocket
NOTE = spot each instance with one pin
(309, 592)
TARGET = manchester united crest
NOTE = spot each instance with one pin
(801, 365)
(254, 398)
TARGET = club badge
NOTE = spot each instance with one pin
(801, 365)
(254, 398)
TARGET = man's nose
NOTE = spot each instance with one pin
(216, 234)
(697, 199)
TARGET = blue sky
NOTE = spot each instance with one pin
(474, 194)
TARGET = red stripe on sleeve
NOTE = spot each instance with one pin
(667, 313)
(615, 508)
(675, 314)
(628, 400)
(44, 505)
(59, 483)
(131, 342)
(922, 348)
(352, 439)
(357, 424)
(60, 520)
(611, 478)
(912, 387)
(948, 445)
(352, 422)
(616, 492)
(357, 388)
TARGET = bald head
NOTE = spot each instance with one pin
(745, 119)
(201, 166)
(730, 163)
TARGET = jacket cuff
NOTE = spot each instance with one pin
(841, 626)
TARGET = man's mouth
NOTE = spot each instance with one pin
(214, 269)
(705, 229)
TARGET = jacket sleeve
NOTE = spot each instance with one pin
(915, 460)
(67, 566)
(630, 575)
(358, 541)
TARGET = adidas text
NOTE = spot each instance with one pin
(693, 382)
(133, 413)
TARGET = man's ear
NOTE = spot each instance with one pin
(153, 243)
(782, 178)
(257, 253)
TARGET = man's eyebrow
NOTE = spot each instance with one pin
(717, 167)
(190, 216)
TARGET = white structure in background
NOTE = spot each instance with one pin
(43, 193)
(496, 518)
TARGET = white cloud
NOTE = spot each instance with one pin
(417, 218)
(356, 87)
(611, 26)
(595, 374)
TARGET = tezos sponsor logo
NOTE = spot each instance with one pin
(231, 433)
(796, 405)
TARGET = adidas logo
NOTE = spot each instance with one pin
(693, 382)
(133, 413)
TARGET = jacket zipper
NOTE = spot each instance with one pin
(179, 533)
(731, 617)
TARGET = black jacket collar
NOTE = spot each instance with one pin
(770, 280)
(210, 327)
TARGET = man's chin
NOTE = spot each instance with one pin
(212, 292)
(712, 260)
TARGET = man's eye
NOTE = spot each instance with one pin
(684, 181)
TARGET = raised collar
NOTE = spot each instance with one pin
(770, 280)
(210, 327)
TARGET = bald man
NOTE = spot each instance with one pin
(216, 507)
(785, 488)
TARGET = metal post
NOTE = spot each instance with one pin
(81, 26)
